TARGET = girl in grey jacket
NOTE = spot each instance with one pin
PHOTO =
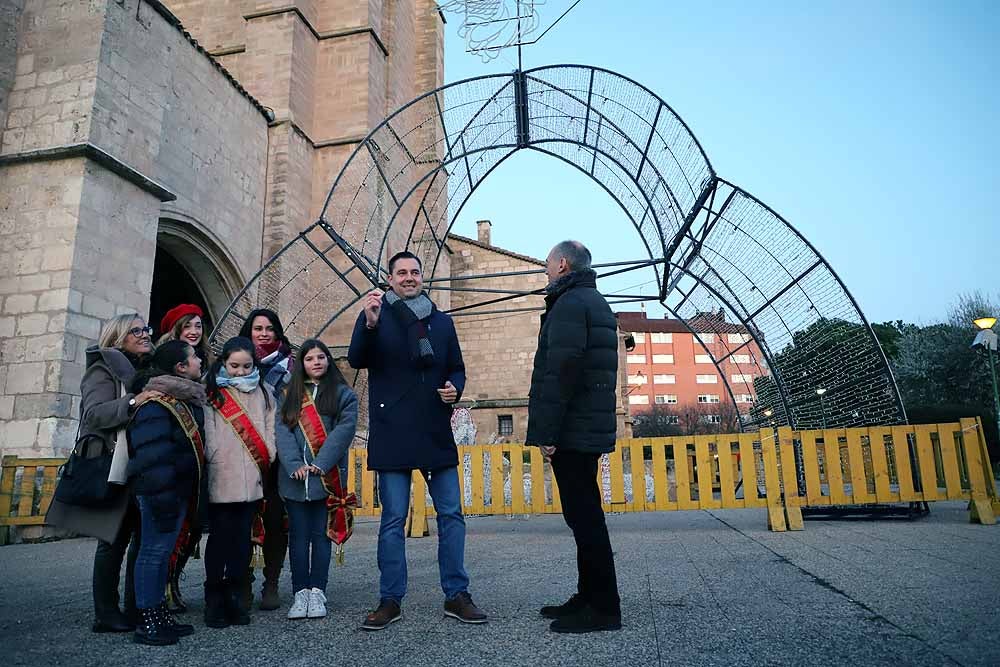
(317, 382)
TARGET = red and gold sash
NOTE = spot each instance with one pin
(340, 505)
(236, 416)
(183, 415)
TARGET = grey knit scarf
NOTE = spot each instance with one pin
(414, 312)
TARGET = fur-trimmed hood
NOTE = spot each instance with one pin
(180, 388)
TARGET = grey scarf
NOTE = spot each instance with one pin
(414, 313)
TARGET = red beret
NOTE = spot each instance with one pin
(176, 313)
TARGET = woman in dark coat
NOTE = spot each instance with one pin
(105, 409)
(166, 440)
(263, 327)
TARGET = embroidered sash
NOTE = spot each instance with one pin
(183, 415)
(236, 416)
(340, 505)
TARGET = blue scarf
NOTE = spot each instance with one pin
(246, 383)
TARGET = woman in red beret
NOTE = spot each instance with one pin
(184, 322)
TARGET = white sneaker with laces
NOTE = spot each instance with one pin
(300, 606)
(317, 603)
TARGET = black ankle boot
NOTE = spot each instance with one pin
(152, 631)
(179, 629)
(215, 605)
(236, 612)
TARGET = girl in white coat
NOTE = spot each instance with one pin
(239, 453)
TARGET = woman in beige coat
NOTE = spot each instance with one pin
(239, 451)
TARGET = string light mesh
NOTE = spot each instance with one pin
(734, 269)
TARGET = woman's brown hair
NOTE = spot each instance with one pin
(326, 399)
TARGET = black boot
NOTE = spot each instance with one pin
(215, 605)
(113, 622)
(179, 629)
(152, 631)
(175, 603)
(236, 612)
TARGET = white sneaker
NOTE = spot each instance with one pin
(300, 606)
(317, 603)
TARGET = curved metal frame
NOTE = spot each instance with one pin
(509, 110)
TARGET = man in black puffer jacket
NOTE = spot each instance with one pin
(571, 415)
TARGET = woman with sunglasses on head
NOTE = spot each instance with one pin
(273, 351)
(105, 408)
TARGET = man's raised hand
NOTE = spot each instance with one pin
(373, 307)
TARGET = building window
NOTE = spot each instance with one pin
(707, 338)
(638, 337)
(741, 358)
(638, 399)
(744, 398)
(637, 379)
(739, 339)
(746, 379)
(708, 398)
(663, 358)
(635, 358)
(664, 379)
(710, 419)
(666, 399)
(706, 379)
(702, 359)
(661, 338)
(505, 425)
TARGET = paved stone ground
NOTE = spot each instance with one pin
(698, 588)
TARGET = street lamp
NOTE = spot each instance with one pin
(822, 406)
(987, 339)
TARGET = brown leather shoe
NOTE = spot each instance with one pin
(464, 609)
(388, 612)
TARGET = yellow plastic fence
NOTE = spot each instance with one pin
(781, 470)
(29, 482)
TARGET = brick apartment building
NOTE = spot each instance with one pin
(669, 367)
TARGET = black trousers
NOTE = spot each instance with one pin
(275, 530)
(108, 567)
(228, 549)
(576, 475)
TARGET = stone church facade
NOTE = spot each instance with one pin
(157, 151)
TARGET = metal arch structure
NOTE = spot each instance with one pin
(725, 263)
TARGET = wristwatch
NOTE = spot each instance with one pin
(131, 403)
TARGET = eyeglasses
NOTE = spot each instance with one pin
(139, 331)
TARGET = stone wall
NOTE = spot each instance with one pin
(499, 349)
(115, 120)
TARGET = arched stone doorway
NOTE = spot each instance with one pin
(190, 267)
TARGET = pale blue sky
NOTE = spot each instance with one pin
(870, 126)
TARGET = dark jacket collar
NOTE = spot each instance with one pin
(584, 278)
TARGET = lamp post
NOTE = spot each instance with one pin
(822, 406)
(987, 338)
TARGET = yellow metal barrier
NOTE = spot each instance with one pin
(33, 492)
(781, 471)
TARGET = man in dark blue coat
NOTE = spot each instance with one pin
(571, 416)
(415, 375)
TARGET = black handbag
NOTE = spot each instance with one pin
(84, 481)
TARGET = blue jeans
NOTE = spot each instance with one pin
(154, 556)
(394, 495)
(307, 528)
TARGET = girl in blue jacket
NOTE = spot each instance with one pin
(318, 416)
